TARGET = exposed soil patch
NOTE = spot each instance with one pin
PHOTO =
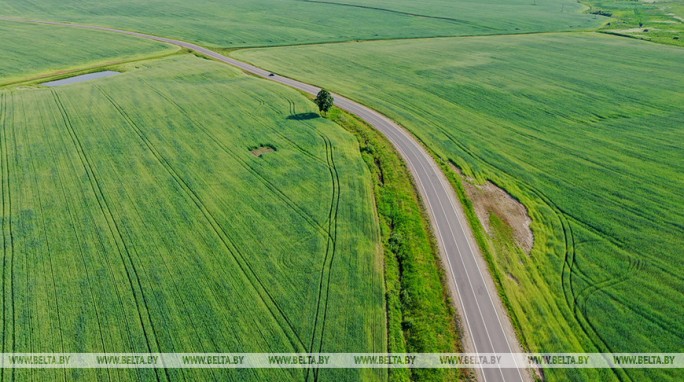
(262, 150)
(488, 199)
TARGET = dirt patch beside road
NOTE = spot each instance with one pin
(488, 198)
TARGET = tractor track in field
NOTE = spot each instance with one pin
(569, 262)
(8, 232)
(583, 295)
(227, 242)
(619, 245)
(293, 111)
(179, 295)
(75, 224)
(328, 150)
(46, 239)
(325, 277)
(379, 9)
(331, 231)
(52, 269)
(279, 133)
(7, 235)
(80, 250)
(654, 320)
(328, 233)
(115, 231)
(267, 183)
(568, 271)
(571, 273)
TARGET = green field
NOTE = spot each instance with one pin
(239, 23)
(585, 129)
(660, 21)
(34, 51)
(136, 219)
(165, 233)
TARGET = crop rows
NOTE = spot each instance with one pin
(249, 23)
(136, 219)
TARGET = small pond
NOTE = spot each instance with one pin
(81, 78)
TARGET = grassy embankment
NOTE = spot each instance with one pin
(136, 219)
(584, 130)
(420, 314)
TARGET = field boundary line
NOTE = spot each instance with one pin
(394, 11)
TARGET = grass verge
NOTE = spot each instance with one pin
(420, 315)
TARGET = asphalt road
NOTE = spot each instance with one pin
(487, 327)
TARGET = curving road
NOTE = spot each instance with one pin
(487, 327)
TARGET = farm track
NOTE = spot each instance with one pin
(116, 234)
(227, 242)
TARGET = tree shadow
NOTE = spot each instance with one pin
(303, 116)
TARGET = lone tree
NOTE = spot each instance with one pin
(324, 100)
